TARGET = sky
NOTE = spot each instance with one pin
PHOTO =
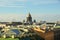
(41, 10)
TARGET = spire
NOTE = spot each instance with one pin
(29, 15)
(29, 18)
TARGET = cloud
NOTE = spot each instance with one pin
(46, 17)
(12, 3)
(13, 6)
(22, 0)
(12, 17)
(37, 2)
(18, 3)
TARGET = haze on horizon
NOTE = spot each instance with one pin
(17, 10)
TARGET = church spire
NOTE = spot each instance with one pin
(29, 15)
(29, 18)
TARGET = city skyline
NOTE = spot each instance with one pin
(16, 10)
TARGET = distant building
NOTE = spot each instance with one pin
(34, 21)
(42, 22)
(58, 22)
(14, 24)
(29, 18)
